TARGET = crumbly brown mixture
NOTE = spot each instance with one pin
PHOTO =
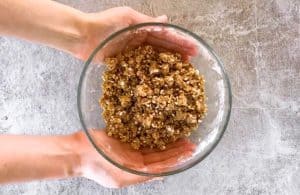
(151, 98)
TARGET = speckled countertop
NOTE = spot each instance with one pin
(259, 42)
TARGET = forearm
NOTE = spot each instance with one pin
(27, 158)
(42, 21)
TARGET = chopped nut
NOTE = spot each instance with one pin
(136, 143)
(129, 72)
(198, 106)
(170, 130)
(170, 106)
(180, 115)
(111, 63)
(158, 81)
(155, 135)
(156, 91)
(154, 69)
(169, 80)
(116, 120)
(131, 61)
(167, 57)
(141, 75)
(165, 68)
(122, 84)
(143, 90)
(138, 59)
(162, 147)
(162, 101)
(124, 64)
(147, 121)
(125, 101)
(191, 119)
(179, 81)
(178, 65)
(182, 101)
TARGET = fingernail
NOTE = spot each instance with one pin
(157, 179)
(162, 18)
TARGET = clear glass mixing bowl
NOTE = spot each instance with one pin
(218, 92)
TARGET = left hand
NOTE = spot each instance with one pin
(95, 167)
(100, 25)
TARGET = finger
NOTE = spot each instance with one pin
(138, 39)
(170, 40)
(157, 179)
(162, 19)
(134, 179)
(169, 163)
(124, 42)
(176, 144)
(120, 152)
(118, 45)
(164, 155)
(173, 37)
(142, 179)
(138, 17)
(181, 46)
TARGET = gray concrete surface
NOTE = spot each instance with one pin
(259, 43)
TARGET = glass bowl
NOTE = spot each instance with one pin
(217, 85)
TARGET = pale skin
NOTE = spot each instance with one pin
(27, 158)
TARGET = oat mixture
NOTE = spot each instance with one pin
(151, 98)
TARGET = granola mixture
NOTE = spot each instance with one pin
(151, 98)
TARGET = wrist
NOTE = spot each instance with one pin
(81, 152)
(73, 155)
(74, 33)
(91, 30)
(89, 160)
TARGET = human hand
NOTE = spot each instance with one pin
(94, 166)
(100, 25)
(79, 33)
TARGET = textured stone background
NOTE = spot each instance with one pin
(259, 43)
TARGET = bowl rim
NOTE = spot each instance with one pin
(101, 45)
